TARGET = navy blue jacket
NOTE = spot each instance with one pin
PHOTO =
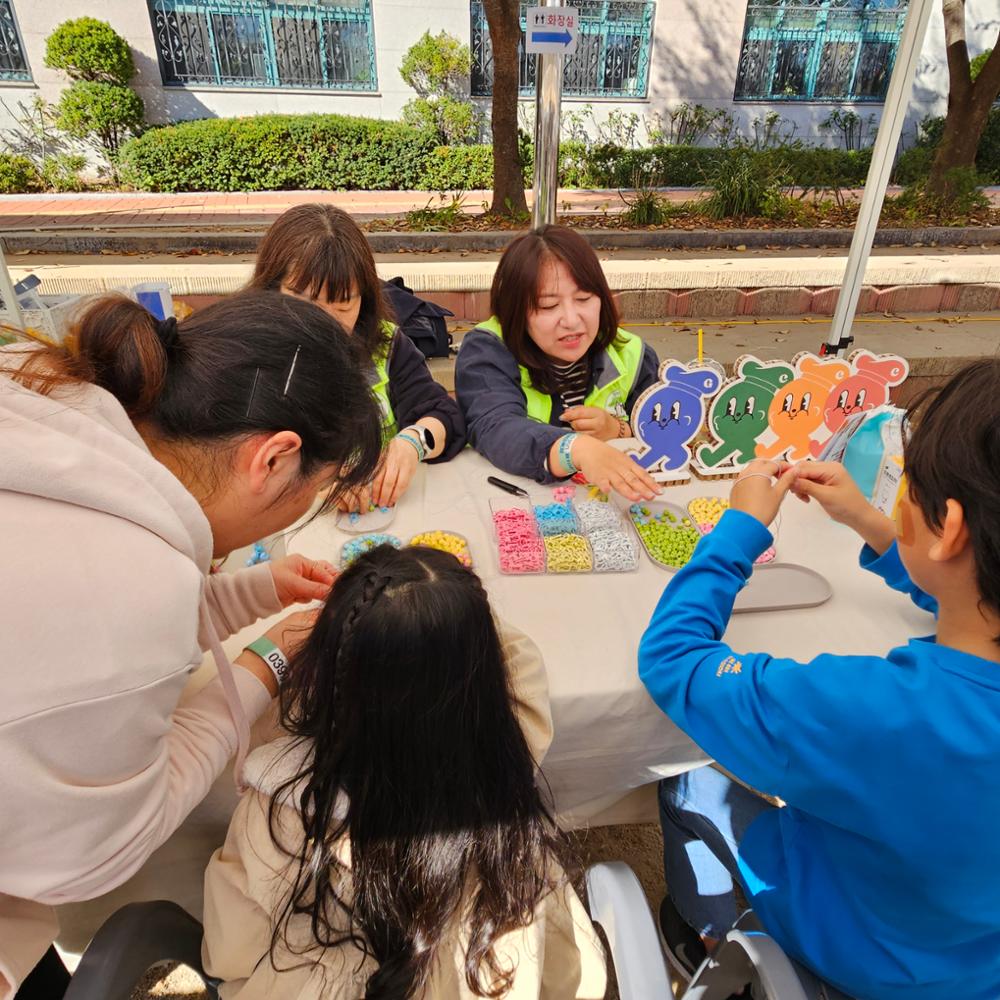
(488, 386)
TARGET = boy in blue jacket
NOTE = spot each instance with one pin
(881, 873)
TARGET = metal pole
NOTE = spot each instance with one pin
(883, 154)
(548, 98)
(10, 311)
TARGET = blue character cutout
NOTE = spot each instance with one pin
(669, 414)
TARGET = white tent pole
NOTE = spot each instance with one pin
(10, 311)
(883, 153)
(548, 99)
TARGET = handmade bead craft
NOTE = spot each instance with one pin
(446, 541)
(666, 533)
(356, 547)
(706, 512)
(374, 519)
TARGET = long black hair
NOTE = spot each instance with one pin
(255, 361)
(403, 694)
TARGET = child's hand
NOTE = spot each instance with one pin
(610, 469)
(831, 486)
(399, 465)
(592, 420)
(355, 501)
(299, 580)
(758, 493)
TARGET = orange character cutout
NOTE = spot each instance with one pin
(864, 389)
(796, 411)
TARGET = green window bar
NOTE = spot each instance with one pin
(13, 61)
(611, 59)
(819, 50)
(264, 43)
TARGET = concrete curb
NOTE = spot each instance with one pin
(237, 238)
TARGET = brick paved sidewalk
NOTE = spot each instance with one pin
(254, 209)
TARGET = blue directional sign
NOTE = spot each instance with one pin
(552, 30)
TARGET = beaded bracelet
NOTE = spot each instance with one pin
(565, 453)
(415, 442)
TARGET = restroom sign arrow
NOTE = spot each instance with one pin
(551, 30)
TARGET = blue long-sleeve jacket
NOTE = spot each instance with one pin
(882, 873)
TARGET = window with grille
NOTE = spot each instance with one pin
(819, 50)
(13, 61)
(611, 59)
(265, 43)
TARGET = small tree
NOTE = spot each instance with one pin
(970, 99)
(437, 67)
(504, 19)
(98, 107)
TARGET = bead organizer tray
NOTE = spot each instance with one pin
(562, 532)
(706, 512)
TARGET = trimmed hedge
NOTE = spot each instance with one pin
(470, 168)
(18, 174)
(690, 166)
(278, 153)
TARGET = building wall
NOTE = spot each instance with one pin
(696, 46)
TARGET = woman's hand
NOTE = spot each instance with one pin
(761, 487)
(831, 486)
(288, 635)
(610, 469)
(356, 501)
(594, 421)
(394, 476)
(299, 580)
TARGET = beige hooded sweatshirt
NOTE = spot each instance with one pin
(105, 610)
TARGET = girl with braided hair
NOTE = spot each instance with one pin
(396, 844)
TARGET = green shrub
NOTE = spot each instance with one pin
(689, 166)
(976, 65)
(452, 122)
(61, 172)
(278, 153)
(913, 165)
(88, 49)
(103, 114)
(458, 168)
(746, 185)
(436, 65)
(17, 174)
(963, 197)
(931, 131)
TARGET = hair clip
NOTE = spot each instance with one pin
(253, 391)
(291, 371)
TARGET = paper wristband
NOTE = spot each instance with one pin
(272, 656)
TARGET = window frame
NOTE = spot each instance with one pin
(269, 17)
(16, 77)
(869, 29)
(603, 29)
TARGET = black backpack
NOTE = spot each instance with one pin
(422, 321)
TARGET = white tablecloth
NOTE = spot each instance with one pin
(610, 738)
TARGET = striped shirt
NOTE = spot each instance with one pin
(573, 381)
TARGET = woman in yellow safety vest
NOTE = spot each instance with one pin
(317, 252)
(550, 377)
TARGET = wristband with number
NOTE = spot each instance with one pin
(417, 444)
(272, 656)
(566, 454)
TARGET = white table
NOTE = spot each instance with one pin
(610, 737)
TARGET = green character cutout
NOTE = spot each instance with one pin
(739, 413)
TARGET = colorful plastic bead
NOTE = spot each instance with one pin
(446, 541)
(356, 547)
(567, 553)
